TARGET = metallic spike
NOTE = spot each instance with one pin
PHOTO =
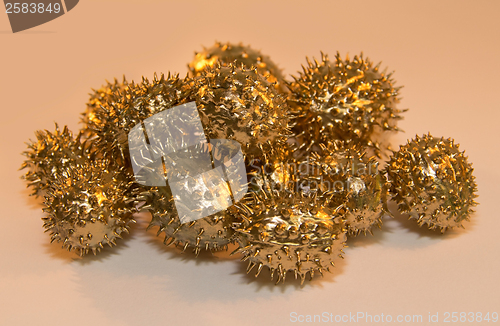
(251, 265)
(259, 269)
(168, 241)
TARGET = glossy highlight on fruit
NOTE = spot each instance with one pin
(287, 225)
(237, 54)
(343, 99)
(432, 181)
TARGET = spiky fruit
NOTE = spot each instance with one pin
(233, 103)
(118, 113)
(432, 181)
(287, 225)
(238, 54)
(88, 206)
(344, 99)
(106, 94)
(212, 232)
(356, 177)
(239, 104)
(51, 153)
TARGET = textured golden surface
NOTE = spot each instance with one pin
(357, 178)
(344, 99)
(125, 107)
(237, 54)
(432, 181)
(52, 153)
(239, 104)
(287, 225)
(88, 206)
(312, 157)
(233, 103)
(210, 233)
(106, 94)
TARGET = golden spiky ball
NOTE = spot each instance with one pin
(212, 232)
(51, 153)
(233, 103)
(88, 206)
(239, 104)
(125, 107)
(343, 99)
(108, 94)
(287, 225)
(238, 54)
(432, 181)
(355, 178)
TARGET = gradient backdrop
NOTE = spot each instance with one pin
(446, 54)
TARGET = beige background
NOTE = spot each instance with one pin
(446, 55)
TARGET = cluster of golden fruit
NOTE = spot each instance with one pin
(312, 148)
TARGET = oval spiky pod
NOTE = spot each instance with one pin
(51, 153)
(345, 99)
(238, 54)
(287, 225)
(88, 206)
(355, 176)
(212, 232)
(114, 118)
(106, 94)
(239, 104)
(233, 103)
(432, 181)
